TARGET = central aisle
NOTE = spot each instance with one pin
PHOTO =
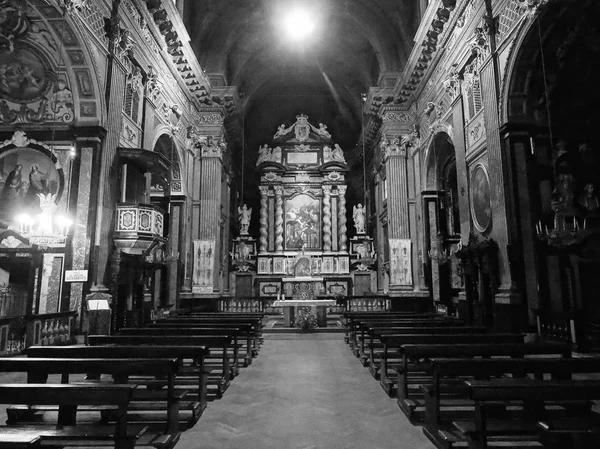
(309, 392)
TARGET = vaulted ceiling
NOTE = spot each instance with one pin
(243, 43)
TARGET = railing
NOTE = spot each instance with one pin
(362, 303)
(18, 333)
(243, 305)
(50, 329)
(558, 326)
(13, 301)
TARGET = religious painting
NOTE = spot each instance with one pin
(302, 266)
(264, 265)
(327, 265)
(400, 262)
(23, 75)
(316, 265)
(344, 264)
(481, 206)
(302, 223)
(25, 173)
(279, 265)
(204, 261)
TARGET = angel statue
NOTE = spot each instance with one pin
(244, 217)
(358, 213)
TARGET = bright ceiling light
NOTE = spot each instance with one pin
(299, 24)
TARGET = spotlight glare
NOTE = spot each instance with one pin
(299, 24)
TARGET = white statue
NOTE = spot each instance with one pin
(338, 154)
(322, 131)
(264, 154)
(244, 217)
(358, 213)
(327, 154)
(281, 131)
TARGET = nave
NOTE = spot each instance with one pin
(308, 392)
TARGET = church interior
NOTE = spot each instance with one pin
(254, 222)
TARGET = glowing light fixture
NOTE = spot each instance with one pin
(45, 229)
(299, 24)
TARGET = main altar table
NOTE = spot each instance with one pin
(317, 307)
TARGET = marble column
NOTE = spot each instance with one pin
(398, 196)
(326, 218)
(279, 219)
(264, 233)
(343, 239)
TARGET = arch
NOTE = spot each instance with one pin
(53, 43)
(440, 148)
(166, 145)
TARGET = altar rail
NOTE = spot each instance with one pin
(18, 333)
(558, 326)
(244, 305)
(363, 303)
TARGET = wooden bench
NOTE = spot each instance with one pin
(218, 321)
(66, 432)
(358, 324)
(534, 394)
(416, 369)
(393, 342)
(241, 332)
(375, 331)
(193, 381)
(353, 320)
(38, 370)
(221, 343)
(437, 393)
(234, 332)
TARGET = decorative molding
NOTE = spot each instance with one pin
(398, 145)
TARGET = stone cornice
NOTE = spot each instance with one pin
(170, 25)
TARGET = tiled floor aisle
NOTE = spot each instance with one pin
(304, 393)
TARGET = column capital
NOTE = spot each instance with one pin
(263, 189)
(327, 189)
(279, 190)
(342, 189)
(398, 145)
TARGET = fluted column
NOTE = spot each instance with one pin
(264, 233)
(398, 197)
(342, 219)
(279, 219)
(326, 218)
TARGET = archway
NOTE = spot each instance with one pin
(442, 221)
(550, 107)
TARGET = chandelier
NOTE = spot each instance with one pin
(563, 234)
(47, 228)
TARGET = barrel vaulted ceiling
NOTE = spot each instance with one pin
(243, 43)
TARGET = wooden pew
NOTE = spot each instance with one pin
(416, 369)
(68, 397)
(196, 353)
(219, 320)
(245, 331)
(352, 319)
(355, 328)
(393, 342)
(234, 332)
(220, 343)
(375, 331)
(38, 370)
(486, 369)
(534, 394)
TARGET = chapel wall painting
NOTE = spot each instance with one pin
(25, 173)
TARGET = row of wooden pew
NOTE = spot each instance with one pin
(471, 387)
(138, 388)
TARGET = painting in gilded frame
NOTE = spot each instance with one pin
(302, 223)
(25, 173)
(481, 206)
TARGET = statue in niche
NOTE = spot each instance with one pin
(563, 195)
(276, 154)
(244, 217)
(358, 213)
(264, 154)
(588, 201)
(338, 154)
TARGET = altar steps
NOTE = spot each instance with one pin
(274, 324)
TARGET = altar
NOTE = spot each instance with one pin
(317, 307)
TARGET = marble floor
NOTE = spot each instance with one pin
(304, 392)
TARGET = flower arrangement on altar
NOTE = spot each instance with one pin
(305, 320)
